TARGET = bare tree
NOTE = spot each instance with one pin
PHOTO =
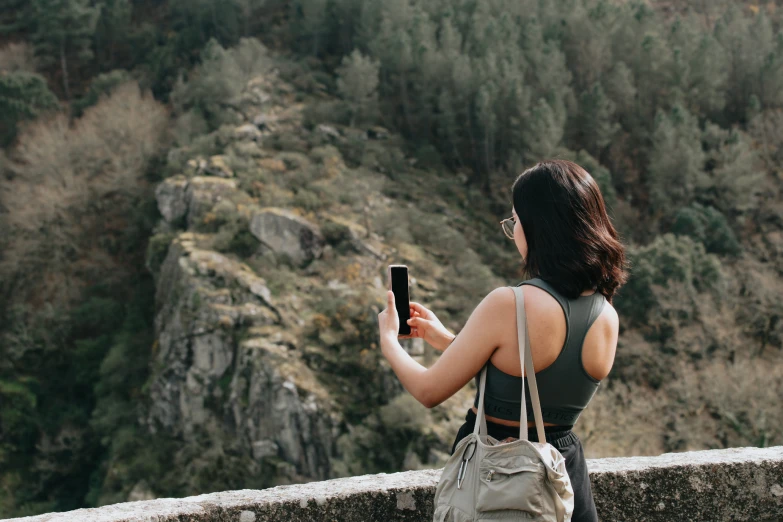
(72, 186)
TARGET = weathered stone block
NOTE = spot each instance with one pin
(716, 485)
(284, 232)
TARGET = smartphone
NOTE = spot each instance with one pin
(399, 284)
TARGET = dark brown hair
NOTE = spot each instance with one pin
(571, 242)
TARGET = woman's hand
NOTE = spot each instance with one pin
(388, 320)
(425, 324)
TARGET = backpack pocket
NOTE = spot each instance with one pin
(517, 487)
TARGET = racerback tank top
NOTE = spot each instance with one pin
(564, 387)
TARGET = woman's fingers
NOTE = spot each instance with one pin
(416, 322)
(422, 310)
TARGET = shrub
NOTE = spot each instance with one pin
(157, 250)
(309, 200)
(670, 261)
(101, 85)
(335, 233)
(328, 112)
(728, 404)
(233, 233)
(217, 83)
(23, 96)
(708, 226)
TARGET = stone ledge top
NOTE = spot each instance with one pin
(408, 495)
(689, 458)
(319, 492)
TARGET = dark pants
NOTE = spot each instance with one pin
(569, 446)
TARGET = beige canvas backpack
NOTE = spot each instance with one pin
(486, 479)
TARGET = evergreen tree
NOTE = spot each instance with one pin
(358, 84)
(112, 29)
(248, 12)
(63, 34)
(543, 131)
(755, 61)
(676, 161)
(312, 17)
(198, 21)
(586, 45)
(101, 85)
(708, 226)
(487, 124)
(596, 121)
(619, 86)
(23, 95)
(699, 66)
(15, 16)
(734, 177)
(214, 86)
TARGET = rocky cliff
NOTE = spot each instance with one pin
(265, 360)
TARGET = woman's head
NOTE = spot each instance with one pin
(563, 231)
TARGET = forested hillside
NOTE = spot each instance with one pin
(160, 336)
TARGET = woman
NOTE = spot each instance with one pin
(574, 264)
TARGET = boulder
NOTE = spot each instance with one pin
(248, 131)
(283, 232)
(203, 193)
(218, 166)
(273, 164)
(328, 130)
(171, 198)
(377, 133)
(179, 197)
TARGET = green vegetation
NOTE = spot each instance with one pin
(436, 104)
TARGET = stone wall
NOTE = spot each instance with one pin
(732, 485)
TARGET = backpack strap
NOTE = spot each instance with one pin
(480, 426)
(525, 357)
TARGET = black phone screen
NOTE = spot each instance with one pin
(399, 285)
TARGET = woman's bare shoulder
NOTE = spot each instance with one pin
(611, 319)
(600, 343)
(537, 300)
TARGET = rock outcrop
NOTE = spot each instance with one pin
(284, 232)
(228, 357)
(281, 378)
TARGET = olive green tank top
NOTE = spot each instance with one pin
(565, 387)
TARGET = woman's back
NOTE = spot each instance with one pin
(572, 342)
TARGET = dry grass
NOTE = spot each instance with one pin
(728, 404)
(623, 420)
(17, 57)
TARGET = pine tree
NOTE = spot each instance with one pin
(596, 121)
(63, 34)
(248, 12)
(619, 86)
(112, 28)
(358, 84)
(699, 66)
(14, 16)
(543, 131)
(23, 95)
(734, 178)
(676, 161)
(312, 15)
(708, 226)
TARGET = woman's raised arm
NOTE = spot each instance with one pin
(465, 357)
